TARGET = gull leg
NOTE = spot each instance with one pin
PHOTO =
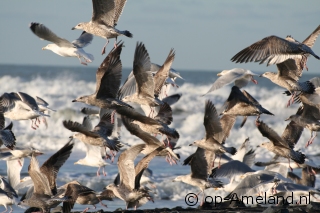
(115, 43)
(291, 100)
(32, 125)
(311, 139)
(11, 209)
(102, 204)
(104, 47)
(103, 171)
(81, 62)
(86, 209)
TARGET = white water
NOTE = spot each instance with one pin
(188, 120)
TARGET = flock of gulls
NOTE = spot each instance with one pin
(147, 86)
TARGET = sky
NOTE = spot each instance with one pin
(204, 34)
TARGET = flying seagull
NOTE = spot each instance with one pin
(62, 46)
(240, 77)
(275, 50)
(104, 18)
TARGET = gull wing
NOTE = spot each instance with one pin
(103, 12)
(108, 75)
(45, 33)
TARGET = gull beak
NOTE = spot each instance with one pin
(173, 180)
(43, 48)
(191, 144)
(219, 74)
(258, 146)
(38, 153)
(261, 75)
(75, 100)
(73, 28)
(71, 136)
(287, 119)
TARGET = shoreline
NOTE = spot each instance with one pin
(313, 207)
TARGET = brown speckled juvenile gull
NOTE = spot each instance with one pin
(43, 180)
(145, 93)
(62, 46)
(104, 18)
(242, 104)
(278, 145)
(275, 50)
(307, 118)
(129, 187)
(108, 80)
(240, 77)
(99, 136)
(200, 168)
(212, 125)
(152, 143)
(81, 195)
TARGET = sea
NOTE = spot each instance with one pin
(60, 85)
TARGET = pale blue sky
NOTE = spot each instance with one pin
(205, 34)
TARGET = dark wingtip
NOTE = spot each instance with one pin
(233, 150)
(33, 26)
(128, 34)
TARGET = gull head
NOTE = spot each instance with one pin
(79, 26)
(83, 99)
(269, 75)
(111, 186)
(195, 143)
(49, 47)
(292, 118)
(267, 145)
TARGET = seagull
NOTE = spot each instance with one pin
(288, 81)
(20, 106)
(145, 93)
(80, 194)
(240, 77)
(278, 145)
(62, 46)
(275, 50)
(128, 188)
(8, 195)
(213, 127)
(95, 156)
(152, 143)
(242, 104)
(308, 117)
(105, 16)
(44, 180)
(99, 136)
(130, 85)
(200, 168)
(108, 80)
